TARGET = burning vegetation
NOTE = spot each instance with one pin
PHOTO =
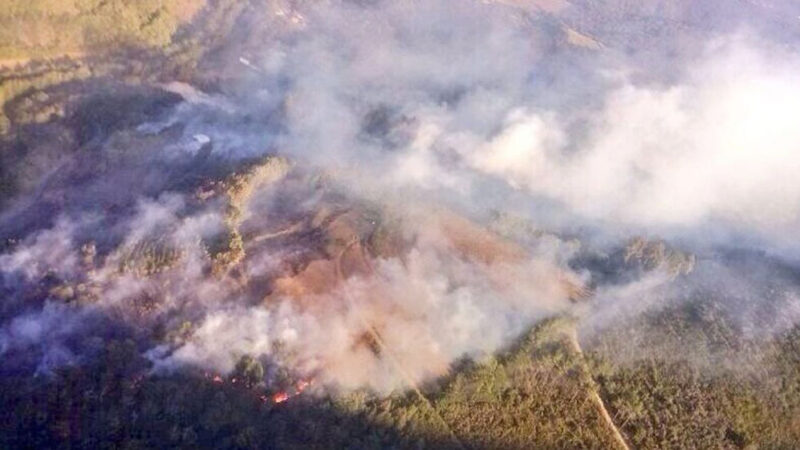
(292, 224)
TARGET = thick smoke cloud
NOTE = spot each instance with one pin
(399, 88)
(429, 116)
(719, 147)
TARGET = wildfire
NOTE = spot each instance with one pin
(297, 389)
(216, 379)
(278, 397)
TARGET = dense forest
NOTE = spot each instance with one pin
(538, 394)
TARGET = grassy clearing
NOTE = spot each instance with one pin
(47, 28)
(47, 43)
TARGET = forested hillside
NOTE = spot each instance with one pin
(373, 224)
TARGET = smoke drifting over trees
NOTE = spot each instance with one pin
(362, 195)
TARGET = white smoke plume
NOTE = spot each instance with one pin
(721, 146)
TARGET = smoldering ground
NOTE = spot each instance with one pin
(328, 207)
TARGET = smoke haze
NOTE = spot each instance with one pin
(347, 180)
